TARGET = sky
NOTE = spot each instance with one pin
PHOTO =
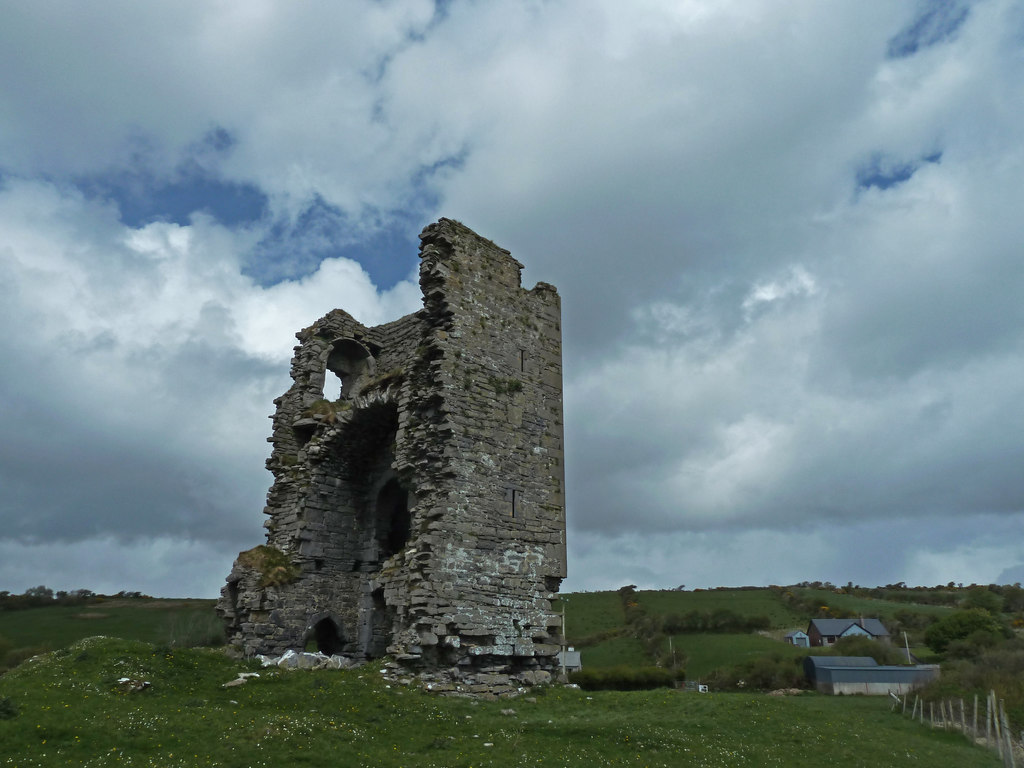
(788, 240)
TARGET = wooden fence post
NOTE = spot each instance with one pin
(988, 721)
(995, 725)
(1004, 722)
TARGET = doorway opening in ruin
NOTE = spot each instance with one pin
(348, 362)
(381, 620)
(393, 519)
(328, 637)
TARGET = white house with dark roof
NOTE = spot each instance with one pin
(824, 632)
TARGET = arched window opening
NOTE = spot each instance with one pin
(328, 639)
(332, 385)
(347, 363)
(393, 518)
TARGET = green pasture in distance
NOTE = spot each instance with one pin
(745, 602)
(172, 622)
(615, 652)
(66, 708)
(588, 613)
(707, 652)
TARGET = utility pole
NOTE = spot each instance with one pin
(907, 644)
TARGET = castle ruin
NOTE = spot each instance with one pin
(419, 512)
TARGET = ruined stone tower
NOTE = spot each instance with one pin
(420, 511)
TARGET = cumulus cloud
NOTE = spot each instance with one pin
(144, 364)
(786, 242)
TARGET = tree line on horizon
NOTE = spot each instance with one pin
(42, 596)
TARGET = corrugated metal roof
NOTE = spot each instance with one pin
(877, 674)
(841, 661)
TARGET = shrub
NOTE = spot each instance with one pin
(272, 564)
(765, 673)
(625, 678)
(882, 652)
(960, 625)
(505, 386)
(722, 620)
(983, 598)
(998, 669)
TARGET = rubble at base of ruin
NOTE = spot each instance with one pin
(418, 507)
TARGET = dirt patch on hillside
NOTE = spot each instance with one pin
(92, 615)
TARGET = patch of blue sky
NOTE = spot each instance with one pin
(882, 173)
(143, 196)
(937, 22)
(386, 247)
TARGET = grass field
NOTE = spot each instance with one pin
(172, 622)
(707, 652)
(616, 652)
(745, 602)
(591, 613)
(65, 709)
(588, 613)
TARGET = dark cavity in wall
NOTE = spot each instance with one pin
(393, 519)
(328, 637)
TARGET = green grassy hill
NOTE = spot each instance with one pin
(30, 631)
(746, 602)
(596, 623)
(608, 634)
(66, 708)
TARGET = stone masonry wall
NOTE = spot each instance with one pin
(421, 514)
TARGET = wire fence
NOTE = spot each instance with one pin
(984, 724)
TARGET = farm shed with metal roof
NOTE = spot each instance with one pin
(864, 675)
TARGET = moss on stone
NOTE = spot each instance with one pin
(272, 564)
(327, 408)
(394, 376)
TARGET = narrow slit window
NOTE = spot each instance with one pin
(522, 360)
(515, 502)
